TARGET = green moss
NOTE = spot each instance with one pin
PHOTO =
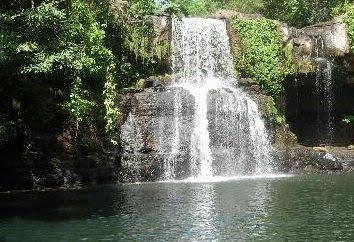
(289, 60)
(274, 114)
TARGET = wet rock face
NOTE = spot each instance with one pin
(148, 130)
(144, 149)
(315, 159)
(162, 25)
(304, 46)
(44, 170)
(334, 35)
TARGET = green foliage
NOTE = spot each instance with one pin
(288, 60)
(190, 8)
(274, 114)
(259, 53)
(298, 13)
(113, 114)
(56, 54)
(79, 103)
(140, 41)
(205, 7)
(66, 59)
(301, 12)
(141, 9)
(245, 6)
(349, 20)
(6, 130)
(341, 7)
(349, 119)
(139, 34)
(197, 7)
(57, 37)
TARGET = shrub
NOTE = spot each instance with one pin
(259, 53)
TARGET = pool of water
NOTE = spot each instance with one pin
(316, 207)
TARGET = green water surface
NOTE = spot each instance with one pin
(299, 208)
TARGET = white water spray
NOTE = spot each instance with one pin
(324, 88)
(228, 137)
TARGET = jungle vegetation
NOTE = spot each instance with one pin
(62, 62)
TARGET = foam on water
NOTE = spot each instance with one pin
(216, 179)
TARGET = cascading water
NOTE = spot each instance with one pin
(324, 88)
(224, 134)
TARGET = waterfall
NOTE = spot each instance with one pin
(324, 88)
(222, 134)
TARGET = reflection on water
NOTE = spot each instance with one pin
(260, 199)
(202, 212)
(290, 208)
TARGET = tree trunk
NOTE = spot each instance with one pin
(32, 4)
